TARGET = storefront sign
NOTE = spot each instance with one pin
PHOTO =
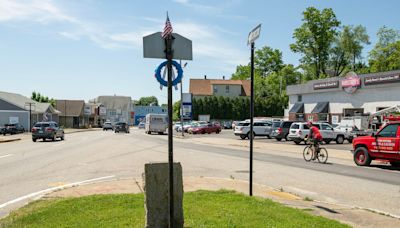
(373, 80)
(87, 110)
(326, 85)
(335, 119)
(102, 111)
(351, 82)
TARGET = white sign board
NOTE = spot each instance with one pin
(254, 34)
(87, 110)
(102, 111)
(335, 119)
(186, 97)
(154, 47)
(14, 119)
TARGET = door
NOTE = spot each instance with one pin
(327, 131)
(386, 145)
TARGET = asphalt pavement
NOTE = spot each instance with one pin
(27, 168)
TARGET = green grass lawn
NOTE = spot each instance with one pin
(201, 209)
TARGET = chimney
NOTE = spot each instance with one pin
(223, 77)
(205, 76)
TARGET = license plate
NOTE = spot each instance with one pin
(293, 131)
(40, 131)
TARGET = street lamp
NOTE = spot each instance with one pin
(31, 106)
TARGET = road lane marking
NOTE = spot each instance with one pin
(7, 155)
(45, 191)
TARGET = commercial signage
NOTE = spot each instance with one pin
(373, 80)
(102, 111)
(254, 34)
(326, 85)
(351, 82)
(87, 110)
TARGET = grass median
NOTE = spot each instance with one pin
(201, 209)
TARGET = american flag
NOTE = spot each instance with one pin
(167, 29)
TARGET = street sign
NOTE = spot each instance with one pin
(154, 47)
(254, 34)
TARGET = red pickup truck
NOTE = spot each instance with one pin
(383, 145)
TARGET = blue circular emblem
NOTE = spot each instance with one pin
(176, 80)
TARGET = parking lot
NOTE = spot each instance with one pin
(228, 134)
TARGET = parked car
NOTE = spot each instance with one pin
(260, 128)
(2, 130)
(47, 130)
(13, 129)
(227, 125)
(280, 130)
(141, 125)
(121, 127)
(177, 125)
(383, 145)
(205, 128)
(107, 126)
(299, 130)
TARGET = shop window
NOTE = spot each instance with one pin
(299, 98)
(299, 117)
(215, 89)
(323, 117)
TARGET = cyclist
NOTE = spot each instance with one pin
(315, 136)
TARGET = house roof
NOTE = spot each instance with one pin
(22, 101)
(70, 107)
(204, 86)
(115, 102)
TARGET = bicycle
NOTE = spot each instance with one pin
(309, 153)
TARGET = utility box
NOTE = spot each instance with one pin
(156, 186)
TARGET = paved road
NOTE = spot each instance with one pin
(27, 167)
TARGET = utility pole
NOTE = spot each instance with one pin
(30, 104)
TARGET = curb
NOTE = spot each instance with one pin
(9, 140)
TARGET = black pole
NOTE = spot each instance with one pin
(251, 118)
(30, 117)
(168, 41)
(180, 63)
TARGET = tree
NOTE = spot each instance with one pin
(42, 99)
(314, 38)
(347, 48)
(268, 60)
(146, 101)
(384, 56)
(242, 73)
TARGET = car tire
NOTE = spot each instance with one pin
(287, 137)
(160, 133)
(54, 138)
(350, 140)
(33, 139)
(248, 135)
(268, 136)
(218, 131)
(243, 136)
(361, 157)
(297, 142)
(327, 141)
(395, 164)
(339, 139)
(278, 139)
(62, 137)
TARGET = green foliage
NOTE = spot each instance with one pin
(314, 38)
(42, 99)
(386, 53)
(176, 111)
(201, 209)
(268, 60)
(146, 101)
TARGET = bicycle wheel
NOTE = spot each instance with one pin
(322, 155)
(308, 153)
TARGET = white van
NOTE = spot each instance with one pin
(156, 123)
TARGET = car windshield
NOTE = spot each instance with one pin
(42, 125)
(276, 124)
(295, 126)
(243, 124)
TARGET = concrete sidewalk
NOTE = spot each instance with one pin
(356, 217)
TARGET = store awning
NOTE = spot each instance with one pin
(298, 107)
(321, 107)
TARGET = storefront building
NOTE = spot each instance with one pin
(332, 99)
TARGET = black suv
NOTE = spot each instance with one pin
(121, 127)
(47, 130)
(281, 131)
(12, 129)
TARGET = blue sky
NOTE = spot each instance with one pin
(80, 49)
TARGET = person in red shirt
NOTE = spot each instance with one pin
(315, 136)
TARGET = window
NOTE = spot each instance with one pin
(389, 131)
(287, 124)
(299, 98)
(326, 127)
(317, 125)
(295, 126)
(323, 117)
(305, 127)
(243, 124)
(227, 89)
(259, 124)
(277, 124)
(215, 89)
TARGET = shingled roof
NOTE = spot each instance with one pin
(203, 87)
(74, 107)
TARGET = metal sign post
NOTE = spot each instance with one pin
(253, 35)
(171, 46)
